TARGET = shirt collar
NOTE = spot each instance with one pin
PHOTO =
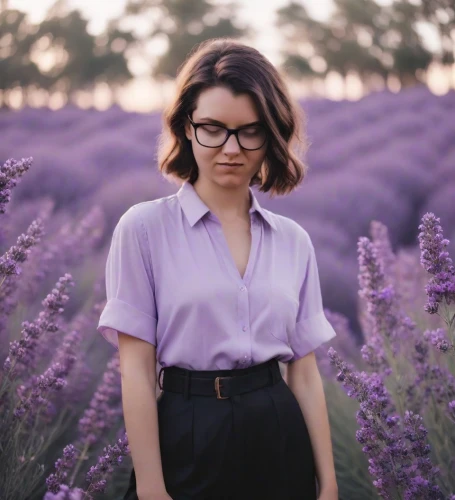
(194, 208)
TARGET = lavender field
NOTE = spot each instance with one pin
(379, 205)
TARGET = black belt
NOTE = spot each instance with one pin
(176, 379)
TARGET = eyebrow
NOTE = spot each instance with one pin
(221, 123)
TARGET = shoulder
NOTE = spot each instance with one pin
(290, 229)
(149, 212)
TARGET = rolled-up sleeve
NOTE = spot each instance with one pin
(312, 327)
(130, 306)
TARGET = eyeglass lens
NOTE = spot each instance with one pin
(213, 136)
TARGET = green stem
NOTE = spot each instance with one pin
(79, 462)
(6, 376)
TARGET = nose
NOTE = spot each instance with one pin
(231, 145)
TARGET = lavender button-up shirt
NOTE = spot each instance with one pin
(171, 281)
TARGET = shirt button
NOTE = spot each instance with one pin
(242, 288)
(245, 328)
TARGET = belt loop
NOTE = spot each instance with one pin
(186, 387)
(272, 367)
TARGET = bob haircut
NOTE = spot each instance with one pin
(243, 70)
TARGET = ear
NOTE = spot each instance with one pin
(188, 129)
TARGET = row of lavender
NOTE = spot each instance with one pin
(387, 157)
(402, 378)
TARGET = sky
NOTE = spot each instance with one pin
(258, 14)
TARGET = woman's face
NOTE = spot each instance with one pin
(218, 103)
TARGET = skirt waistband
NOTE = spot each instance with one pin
(220, 383)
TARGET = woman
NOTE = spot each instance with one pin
(218, 290)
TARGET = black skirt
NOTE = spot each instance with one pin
(253, 445)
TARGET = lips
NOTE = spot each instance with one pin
(230, 164)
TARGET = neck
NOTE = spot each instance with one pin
(229, 205)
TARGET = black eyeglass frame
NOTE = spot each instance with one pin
(229, 131)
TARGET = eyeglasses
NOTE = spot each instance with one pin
(251, 137)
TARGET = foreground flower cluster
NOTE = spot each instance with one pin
(44, 373)
(392, 398)
(404, 383)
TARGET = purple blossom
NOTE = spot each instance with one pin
(62, 466)
(10, 270)
(66, 493)
(394, 464)
(32, 400)
(436, 261)
(439, 339)
(105, 406)
(434, 381)
(390, 328)
(104, 409)
(60, 368)
(19, 253)
(10, 173)
(21, 357)
(386, 257)
(113, 455)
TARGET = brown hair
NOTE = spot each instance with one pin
(243, 70)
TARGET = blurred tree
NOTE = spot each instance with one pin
(360, 36)
(441, 14)
(301, 35)
(16, 40)
(79, 60)
(87, 59)
(409, 55)
(182, 24)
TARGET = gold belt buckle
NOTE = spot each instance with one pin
(217, 388)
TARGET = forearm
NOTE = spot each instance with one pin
(311, 398)
(141, 421)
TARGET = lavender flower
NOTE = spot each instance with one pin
(105, 406)
(46, 382)
(62, 466)
(65, 493)
(113, 455)
(22, 353)
(420, 487)
(439, 339)
(437, 262)
(390, 328)
(10, 174)
(396, 466)
(386, 257)
(10, 269)
(436, 381)
(19, 253)
(61, 363)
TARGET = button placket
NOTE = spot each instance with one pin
(243, 318)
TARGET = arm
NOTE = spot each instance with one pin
(138, 372)
(305, 382)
